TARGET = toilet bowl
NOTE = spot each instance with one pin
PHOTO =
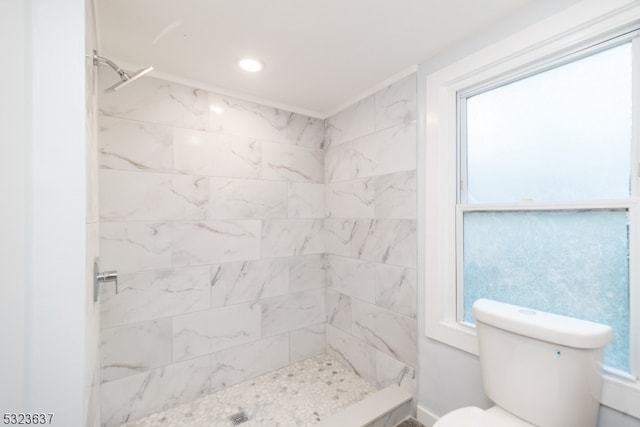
(540, 369)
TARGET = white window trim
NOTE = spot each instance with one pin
(561, 33)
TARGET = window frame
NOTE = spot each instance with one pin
(576, 32)
(629, 203)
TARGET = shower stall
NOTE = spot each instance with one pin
(248, 239)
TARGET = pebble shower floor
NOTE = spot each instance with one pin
(301, 394)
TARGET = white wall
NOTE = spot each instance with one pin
(56, 317)
(13, 183)
(42, 298)
(43, 175)
(449, 378)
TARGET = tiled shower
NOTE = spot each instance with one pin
(250, 239)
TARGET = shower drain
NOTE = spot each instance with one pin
(238, 418)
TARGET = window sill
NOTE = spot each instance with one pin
(621, 394)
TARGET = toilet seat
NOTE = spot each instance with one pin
(472, 416)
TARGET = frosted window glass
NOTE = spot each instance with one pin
(573, 263)
(563, 134)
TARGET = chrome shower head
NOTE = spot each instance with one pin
(125, 78)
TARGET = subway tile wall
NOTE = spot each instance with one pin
(252, 239)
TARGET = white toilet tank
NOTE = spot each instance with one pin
(541, 367)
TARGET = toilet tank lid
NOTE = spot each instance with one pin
(541, 325)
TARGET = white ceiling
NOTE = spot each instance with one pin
(319, 54)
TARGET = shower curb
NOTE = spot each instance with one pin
(384, 408)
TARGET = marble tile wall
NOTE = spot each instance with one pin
(215, 225)
(370, 235)
(252, 239)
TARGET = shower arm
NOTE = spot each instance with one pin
(125, 78)
(97, 59)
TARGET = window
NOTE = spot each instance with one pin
(545, 195)
(531, 182)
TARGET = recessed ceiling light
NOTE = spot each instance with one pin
(216, 109)
(251, 65)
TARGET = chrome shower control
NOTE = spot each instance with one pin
(102, 277)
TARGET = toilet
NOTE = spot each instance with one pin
(539, 369)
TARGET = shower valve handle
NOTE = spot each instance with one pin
(100, 277)
(108, 276)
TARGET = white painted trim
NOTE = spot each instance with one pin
(372, 90)
(426, 417)
(621, 395)
(239, 95)
(539, 43)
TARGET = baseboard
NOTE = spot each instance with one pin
(426, 417)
